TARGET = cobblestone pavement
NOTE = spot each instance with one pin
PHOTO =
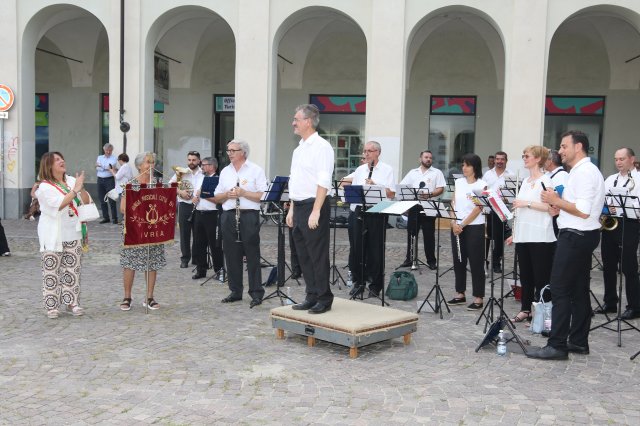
(197, 361)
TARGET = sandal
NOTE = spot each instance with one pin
(52, 313)
(520, 318)
(75, 310)
(126, 304)
(153, 305)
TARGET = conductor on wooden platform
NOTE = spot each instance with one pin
(309, 182)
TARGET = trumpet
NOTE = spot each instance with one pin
(238, 239)
(608, 223)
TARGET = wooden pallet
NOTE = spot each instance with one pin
(349, 323)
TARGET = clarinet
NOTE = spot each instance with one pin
(238, 240)
(370, 170)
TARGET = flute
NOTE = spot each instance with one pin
(238, 240)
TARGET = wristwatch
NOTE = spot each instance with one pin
(529, 205)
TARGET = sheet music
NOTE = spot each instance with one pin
(392, 207)
(620, 195)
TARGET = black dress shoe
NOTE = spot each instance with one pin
(105, 221)
(255, 302)
(184, 264)
(432, 265)
(545, 333)
(548, 353)
(357, 290)
(582, 350)
(630, 314)
(198, 275)
(295, 275)
(405, 264)
(231, 298)
(497, 269)
(303, 306)
(319, 308)
(606, 309)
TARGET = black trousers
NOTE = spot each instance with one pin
(570, 279)
(105, 185)
(4, 246)
(204, 235)
(369, 252)
(186, 229)
(497, 231)
(472, 250)
(610, 248)
(295, 263)
(417, 222)
(248, 247)
(312, 248)
(535, 261)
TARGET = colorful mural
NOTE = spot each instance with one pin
(453, 105)
(572, 105)
(341, 104)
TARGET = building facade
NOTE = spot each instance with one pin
(470, 76)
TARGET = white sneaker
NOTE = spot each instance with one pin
(76, 311)
(6, 254)
(53, 313)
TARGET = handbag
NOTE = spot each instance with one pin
(113, 194)
(540, 311)
(88, 212)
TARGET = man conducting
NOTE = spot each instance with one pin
(431, 183)
(185, 206)
(205, 223)
(367, 254)
(626, 234)
(308, 216)
(579, 222)
(239, 190)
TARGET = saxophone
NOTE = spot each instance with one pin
(183, 184)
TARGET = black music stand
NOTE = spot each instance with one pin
(408, 193)
(366, 196)
(336, 276)
(209, 184)
(439, 206)
(273, 194)
(624, 204)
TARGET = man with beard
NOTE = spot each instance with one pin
(185, 206)
(431, 183)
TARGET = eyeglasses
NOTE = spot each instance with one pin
(206, 164)
(525, 156)
(370, 150)
(229, 151)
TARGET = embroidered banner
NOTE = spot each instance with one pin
(150, 215)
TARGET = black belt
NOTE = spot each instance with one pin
(577, 231)
(108, 177)
(206, 211)
(303, 202)
(241, 211)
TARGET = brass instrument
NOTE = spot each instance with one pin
(608, 223)
(183, 184)
(238, 239)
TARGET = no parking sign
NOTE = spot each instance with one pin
(6, 100)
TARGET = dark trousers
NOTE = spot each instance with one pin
(471, 249)
(249, 247)
(417, 222)
(535, 261)
(369, 252)
(295, 263)
(570, 278)
(610, 248)
(4, 246)
(496, 231)
(186, 228)
(204, 235)
(105, 185)
(312, 247)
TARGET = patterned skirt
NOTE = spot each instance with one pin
(137, 258)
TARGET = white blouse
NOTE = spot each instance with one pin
(533, 226)
(463, 205)
(56, 226)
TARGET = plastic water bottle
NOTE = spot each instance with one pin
(501, 348)
(288, 301)
(349, 279)
(547, 319)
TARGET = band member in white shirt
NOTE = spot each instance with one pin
(579, 212)
(309, 211)
(431, 183)
(185, 207)
(497, 230)
(239, 190)
(612, 239)
(367, 254)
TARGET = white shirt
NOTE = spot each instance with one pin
(432, 178)
(618, 181)
(584, 188)
(533, 226)
(382, 175)
(102, 169)
(56, 226)
(204, 204)
(251, 178)
(311, 166)
(463, 205)
(494, 181)
(558, 177)
(191, 176)
(124, 175)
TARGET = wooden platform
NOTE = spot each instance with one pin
(348, 323)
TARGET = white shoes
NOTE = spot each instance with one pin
(76, 310)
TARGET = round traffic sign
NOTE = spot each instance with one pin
(6, 98)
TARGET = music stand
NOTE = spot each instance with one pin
(439, 207)
(628, 211)
(207, 189)
(334, 269)
(274, 194)
(406, 192)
